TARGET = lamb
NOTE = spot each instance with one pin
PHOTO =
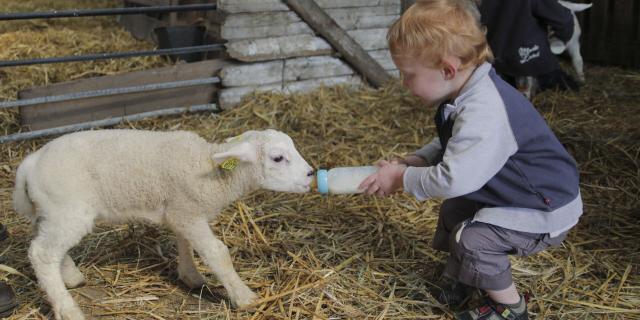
(573, 45)
(170, 178)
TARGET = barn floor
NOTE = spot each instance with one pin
(355, 257)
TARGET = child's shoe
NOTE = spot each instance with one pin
(492, 310)
(451, 293)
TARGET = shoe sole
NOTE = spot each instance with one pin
(3, 233)
(7, 310)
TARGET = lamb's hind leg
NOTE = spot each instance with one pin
(71, 275)
(47, 253)
(576, 58)
(216, 255)
(187, 270)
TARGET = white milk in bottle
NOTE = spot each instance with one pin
(343, 180)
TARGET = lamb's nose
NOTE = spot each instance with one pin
(310, 173)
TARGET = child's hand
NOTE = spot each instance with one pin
(387, 180)
(411, 161)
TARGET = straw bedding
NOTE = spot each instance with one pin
(337, 257)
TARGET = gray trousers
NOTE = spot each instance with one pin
(479, 251)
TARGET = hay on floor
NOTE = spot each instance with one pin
(354, 256)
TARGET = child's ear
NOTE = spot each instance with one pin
(449, 70)
(245, 152)
(450, 67)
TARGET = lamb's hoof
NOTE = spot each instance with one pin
(245, 299)
(73, 279)
(70, 313)
(193, 280)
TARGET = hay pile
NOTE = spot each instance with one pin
(353, 256)
(343, 257)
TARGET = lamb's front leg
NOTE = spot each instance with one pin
(216, 255)
(187, 270)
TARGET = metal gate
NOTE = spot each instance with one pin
(108, 55)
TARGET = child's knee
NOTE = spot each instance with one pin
(469, 237)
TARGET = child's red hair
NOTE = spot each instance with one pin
(432, 29)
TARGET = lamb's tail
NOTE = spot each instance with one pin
(21, 201)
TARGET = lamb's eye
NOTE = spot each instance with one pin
(278, 158)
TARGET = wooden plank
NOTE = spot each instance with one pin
(312, 84)
(370, 39)
(621, 33)
(594, 48)
(352, 52)
(636, 10)
(364, 17)
(241, 33)
(230, 97)
(315, 67)
(278, 48)
(606, 33)
(251, 74)
(325, 4)
(262, 25)
(261, 19)
(384, 58)
(237, 6)
(55, 114)
(281, 23)
(374, 22)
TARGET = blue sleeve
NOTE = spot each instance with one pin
(554, 15)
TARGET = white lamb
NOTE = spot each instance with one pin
(573, 45)
(172, 178)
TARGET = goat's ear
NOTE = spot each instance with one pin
(575, 7)
(244, 151)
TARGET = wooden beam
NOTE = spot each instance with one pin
(352, 52)
(230, 97)
(55, 114)
(301, 45)
(237, 6)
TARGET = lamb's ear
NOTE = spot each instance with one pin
(244, 151)
(242, 136)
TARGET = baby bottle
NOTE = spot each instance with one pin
(343, 180)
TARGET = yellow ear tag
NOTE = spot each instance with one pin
(229, 164)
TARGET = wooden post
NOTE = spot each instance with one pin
(352, 52)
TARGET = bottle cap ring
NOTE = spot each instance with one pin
(323, 181)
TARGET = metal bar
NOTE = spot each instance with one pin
(109, 92)
(105, 12)
(105, 122)
(115, 55)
